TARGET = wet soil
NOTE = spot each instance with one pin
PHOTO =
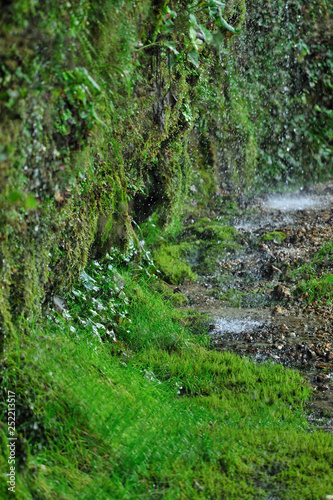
(252, 298)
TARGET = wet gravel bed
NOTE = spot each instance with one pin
(282, 327)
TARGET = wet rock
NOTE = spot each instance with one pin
(59, 304)
(323, 388)
(266, 249)
(281, 292)
(322, 378)
(277, 311)
(269, 270)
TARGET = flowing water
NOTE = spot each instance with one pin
(251, 302)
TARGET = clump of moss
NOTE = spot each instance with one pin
(212, 242)
(278, 236)
(169, 260)
(175, 298)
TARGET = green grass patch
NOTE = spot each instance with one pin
(132, 405)
(318, 289)
(316, 277)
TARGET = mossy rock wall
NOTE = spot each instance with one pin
(111, 110)
(97, 117)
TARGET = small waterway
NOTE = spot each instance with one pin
(261, 316)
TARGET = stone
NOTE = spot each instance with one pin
(281, 292)
(322, 378)
(59, 304)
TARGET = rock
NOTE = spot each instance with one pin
(59, 304)
(323, 388)
(322, 378)
(267, 250)
(269, 270)
(281, 292)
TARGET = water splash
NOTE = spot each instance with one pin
(293, 202)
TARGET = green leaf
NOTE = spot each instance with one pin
(194, 58)
(193, 20)
(217, 3)
(227, 26)
(171, 46)
(207, 34)
(193, 34)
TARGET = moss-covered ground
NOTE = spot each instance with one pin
(121, 399)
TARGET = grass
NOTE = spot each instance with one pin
(149, 411)
(316, 277)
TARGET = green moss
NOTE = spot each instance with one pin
(169, 260)
(177, 299)
(211, 242)
(278, 236)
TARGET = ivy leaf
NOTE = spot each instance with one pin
(194, 58)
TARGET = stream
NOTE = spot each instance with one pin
(251, 300)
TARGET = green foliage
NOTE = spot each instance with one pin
(96, 122)
(95, 419)
(315, 279)
(283, 60)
